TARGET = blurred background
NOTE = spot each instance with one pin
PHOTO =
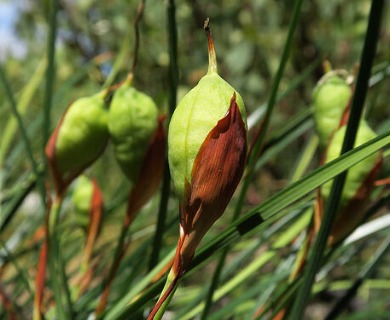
(95, 41)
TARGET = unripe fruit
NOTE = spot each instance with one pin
(79, 139)
(207, 149)
(357, 174)
(357, 187)
(330, 99)
(132, 121)
(82, 200)
(195, 116)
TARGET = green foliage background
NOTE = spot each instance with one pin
(94, 45)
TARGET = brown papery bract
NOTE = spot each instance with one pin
(217, 170)
(216, 173)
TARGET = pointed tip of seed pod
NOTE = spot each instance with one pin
(211, 48)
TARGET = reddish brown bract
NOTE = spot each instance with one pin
(216, 173)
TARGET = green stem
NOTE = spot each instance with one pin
(50, 72)
(138, 17)
(53, 258)
(368, 54)
(173, 81)
(256, 148)
(166, 295)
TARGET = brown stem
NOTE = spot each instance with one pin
(138, 17)
(211, 48)
(42, 264)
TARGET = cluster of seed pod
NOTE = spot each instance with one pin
(80, 138)
(207, 151)
(331, 99)
(131, 121)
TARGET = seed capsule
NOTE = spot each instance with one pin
(88, 204)
(195, 116)
(357, 188)
(207, 149)
(330, 100)
(357, 173)
(82, 200)
(79, 139)
(132, 122)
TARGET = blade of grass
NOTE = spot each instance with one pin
(55, 263)
(50, 72)
(8, 132)
(8, 211)
(364, 274)
(280, 273)
(281, 142)
(116, 311)
(173, 83)
(368, 54)
(23, 132)
(255, 116)
(306, 158)
(22, 274)
(256, 147)
(249, 270)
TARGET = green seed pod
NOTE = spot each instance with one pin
(358, 173)
(330, 99)
(132, 121)
(79, 139)
(195, 116)
(207, 149)
(82, 200)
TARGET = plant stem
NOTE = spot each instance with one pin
(368, 54)
(53, 257)
(166, 295)
(256, 148)
(137, 19)
(173, 81)
(50, 72)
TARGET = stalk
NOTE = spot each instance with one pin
(54, 259)
(165, 298)
(173, 81)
